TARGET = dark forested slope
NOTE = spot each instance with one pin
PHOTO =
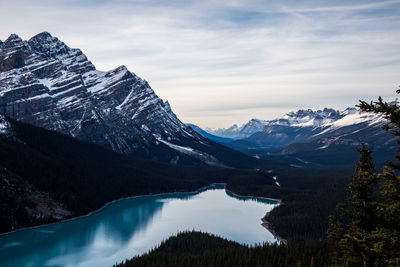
(202, 250)
(309, 196)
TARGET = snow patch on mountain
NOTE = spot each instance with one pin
(307, 118)
(210, 160)
(353, 118)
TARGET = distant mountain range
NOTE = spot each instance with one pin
(236, 132)
(307, 135)
(45, 83)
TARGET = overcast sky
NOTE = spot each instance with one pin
(224, 62)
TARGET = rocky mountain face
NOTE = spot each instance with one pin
(48, 84)
(22, 204)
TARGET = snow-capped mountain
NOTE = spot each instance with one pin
(307, 125)
(308, 118)
(239, 132)
(302, 126)
(301, 118)
(48, 84)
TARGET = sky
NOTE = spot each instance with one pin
(224, 62)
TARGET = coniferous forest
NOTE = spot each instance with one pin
(199, 249)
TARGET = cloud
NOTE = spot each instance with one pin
(224, 62)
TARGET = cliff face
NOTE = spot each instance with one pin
(45, 83)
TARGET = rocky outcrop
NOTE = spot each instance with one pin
(23, 205)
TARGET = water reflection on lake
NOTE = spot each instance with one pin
(133, 226)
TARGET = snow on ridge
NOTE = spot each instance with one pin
(194, 153)
(183, 149)
(99, 81)
(355, 118)
(46, 82)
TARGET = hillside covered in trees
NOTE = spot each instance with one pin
(197, 249)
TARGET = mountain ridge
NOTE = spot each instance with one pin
(300, 118)
(48, 84)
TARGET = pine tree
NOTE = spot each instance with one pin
(388, 235)
(372, 236)
(335, 234)
(356, 245)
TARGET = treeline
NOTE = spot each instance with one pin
(197, 249)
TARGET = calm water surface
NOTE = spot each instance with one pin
(133, 226)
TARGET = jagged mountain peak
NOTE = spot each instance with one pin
(329, 110)
(252, 126)
(302, 113)
(42, 36)
(45, 44)
(13, 41)
(254, 121)
(13, 37)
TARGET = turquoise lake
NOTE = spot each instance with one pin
(133, 226)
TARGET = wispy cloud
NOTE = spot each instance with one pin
(223, 62)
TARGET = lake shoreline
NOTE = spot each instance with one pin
(250, 196)
(148, 195)
(265, 223)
